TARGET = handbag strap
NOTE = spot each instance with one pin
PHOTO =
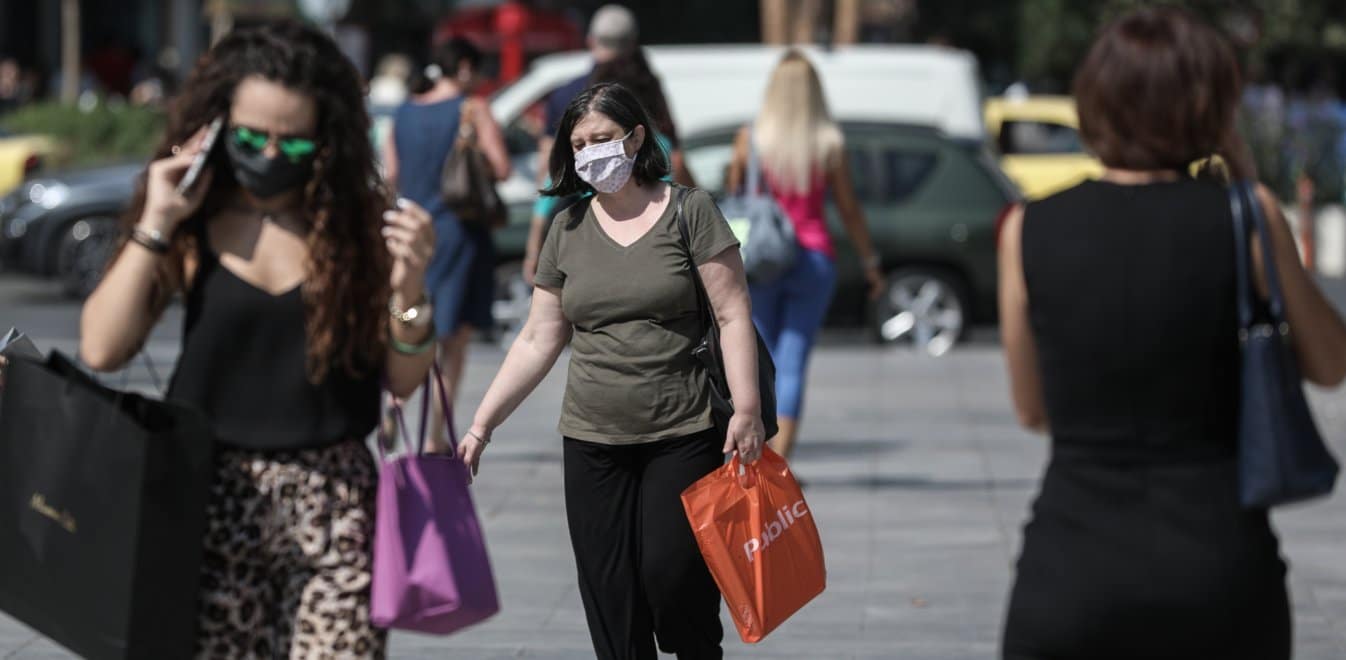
(467, 130)
(433, 380)
(703, 308)
(754, 166)
(1249, 219)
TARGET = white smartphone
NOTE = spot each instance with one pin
(199, 163)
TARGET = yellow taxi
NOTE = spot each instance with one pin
(1039, 142)
(20, 156)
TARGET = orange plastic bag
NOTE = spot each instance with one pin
(757, 535)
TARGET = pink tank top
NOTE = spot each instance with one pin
(806, 213)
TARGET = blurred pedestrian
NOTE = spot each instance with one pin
(296, 276)
(614, 48)
(1117, 312)
(614, 284)
(803, 158)
(461, 280)
(13, 93)
(389, 87)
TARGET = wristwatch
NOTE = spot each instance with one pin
(416, 316)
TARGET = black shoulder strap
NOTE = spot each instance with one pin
(702, 298)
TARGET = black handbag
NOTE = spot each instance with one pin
(708, 352)
(467, 182)
(1282, 457)
(102, 512)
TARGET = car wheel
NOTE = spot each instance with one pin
(512, 299)
(83, 252)
(921, 308)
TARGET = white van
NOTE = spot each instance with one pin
(712, 87)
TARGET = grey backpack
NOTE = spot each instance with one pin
(766, 233)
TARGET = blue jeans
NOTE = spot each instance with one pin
(788, 312)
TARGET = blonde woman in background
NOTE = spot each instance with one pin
(802, 156)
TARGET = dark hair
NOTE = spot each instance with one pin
(620, 105)
(346, 290)
(448, 56)
(1160, 89)
(633, 71)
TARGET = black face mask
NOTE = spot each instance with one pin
(267, 177)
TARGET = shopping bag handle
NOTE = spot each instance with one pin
(744, 474)
(433, 380)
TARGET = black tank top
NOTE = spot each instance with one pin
(1131, 301)
(243, 364)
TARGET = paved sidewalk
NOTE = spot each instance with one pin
(919, 480)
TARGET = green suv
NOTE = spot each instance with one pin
(932, 204)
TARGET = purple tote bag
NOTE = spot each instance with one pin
(431, 570)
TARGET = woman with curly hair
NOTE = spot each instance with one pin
(304, 290)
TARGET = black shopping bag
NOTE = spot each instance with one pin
(102, 510)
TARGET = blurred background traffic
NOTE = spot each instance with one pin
(953, 110)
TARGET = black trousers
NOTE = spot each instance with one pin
(641, 575)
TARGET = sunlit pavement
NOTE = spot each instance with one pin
(917, 474)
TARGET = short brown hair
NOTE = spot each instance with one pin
(1159, 89)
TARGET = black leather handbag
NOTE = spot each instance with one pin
(1282, 457)
(708, 351)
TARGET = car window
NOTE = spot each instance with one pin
(1037, 137)
(882, 172)
(709, 163)
(890, 173)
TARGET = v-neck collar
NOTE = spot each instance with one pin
(663, 216)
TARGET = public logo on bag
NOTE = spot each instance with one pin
(785, 517)
(39, 504)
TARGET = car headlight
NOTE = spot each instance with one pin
(48, 194)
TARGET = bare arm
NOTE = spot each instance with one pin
(727, 288)
(680, 172)
(410, 237)
(853, 219)
(390, 167)
(1318, 331)
(1021, 355)
(490, 139)
(532, 247)
(738, 163)
(544, 335)
(121, 312)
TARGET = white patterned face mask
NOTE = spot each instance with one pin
(605, 166)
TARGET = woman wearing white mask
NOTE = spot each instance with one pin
(613, 276)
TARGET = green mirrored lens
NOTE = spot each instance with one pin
(296, 148)
(249, 138)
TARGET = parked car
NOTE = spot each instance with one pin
(917, 142)
(65, 226)
(22, 156)
(1039, 142)
(932, 203)
(709, 87)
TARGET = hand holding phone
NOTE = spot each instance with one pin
(199, 162)
(176, 184)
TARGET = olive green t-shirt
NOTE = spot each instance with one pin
(632, 377)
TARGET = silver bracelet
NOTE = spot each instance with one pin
(480, 439)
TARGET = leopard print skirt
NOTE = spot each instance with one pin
(286, 571)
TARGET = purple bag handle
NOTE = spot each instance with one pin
(433, 380)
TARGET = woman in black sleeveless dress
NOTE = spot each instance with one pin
(298, 280)
(1117, 313)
